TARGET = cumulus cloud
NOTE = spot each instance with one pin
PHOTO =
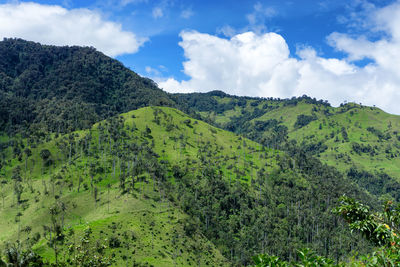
(259, 64)
(51, 24)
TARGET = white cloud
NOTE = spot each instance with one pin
(227, 31)
(239, 65)
(152, 71)
(51, 24)
(268, 12)
(257, 64)
(157, 12)
(187, 13)
(257, 19)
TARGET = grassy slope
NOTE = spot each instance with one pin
(159, 237)
(232, 149)
(355, 121)
(353, 117)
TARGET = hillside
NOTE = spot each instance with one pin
(83, 183)
(60, 89)
(144, 226)
(361, 142)
(156, 186)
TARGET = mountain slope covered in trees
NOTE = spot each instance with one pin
(156, 186)
(59, 89)
(361, 142)
(83, 183)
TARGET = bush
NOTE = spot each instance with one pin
(114, 242)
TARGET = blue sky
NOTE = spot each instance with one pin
(327, 49)
(301, 22)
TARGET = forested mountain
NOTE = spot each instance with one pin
(185, 179)
(361, 142)
(100, 167)
(59, 89)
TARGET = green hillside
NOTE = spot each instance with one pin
(146, 227)
(156, 186)
(354, 135)
(361, 142)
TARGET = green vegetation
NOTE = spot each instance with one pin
(60, 89)
(379, 228)
(169, 181)
(359, 141)
(108, 180)
(84, 184)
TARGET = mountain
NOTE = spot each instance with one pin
(100, 167)
(60, 89)
(361, 142)
(156, 186)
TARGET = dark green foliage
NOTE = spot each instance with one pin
(381, 229)
(344, 134)
(314, 148)
(45, 154)
(20, 258)
(114, 242)
(240, 123)
(361, 148)
(188, 123)
(264, 217)
(379, 134)
(378, 184)
(202, 102)
(206, 102)
(303, 120)
(265, 125)
(60, 89)
(306, 257)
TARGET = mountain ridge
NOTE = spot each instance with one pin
(66, 88)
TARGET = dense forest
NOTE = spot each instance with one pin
(60, 89)
(99, 167)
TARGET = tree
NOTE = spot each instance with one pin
(16, 257)
(95, 195)
(27, 153)
(18, 188)
(45, 154)
(54, 232)
(380, 228)
(108, 196)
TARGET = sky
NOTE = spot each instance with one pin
(340, 51)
